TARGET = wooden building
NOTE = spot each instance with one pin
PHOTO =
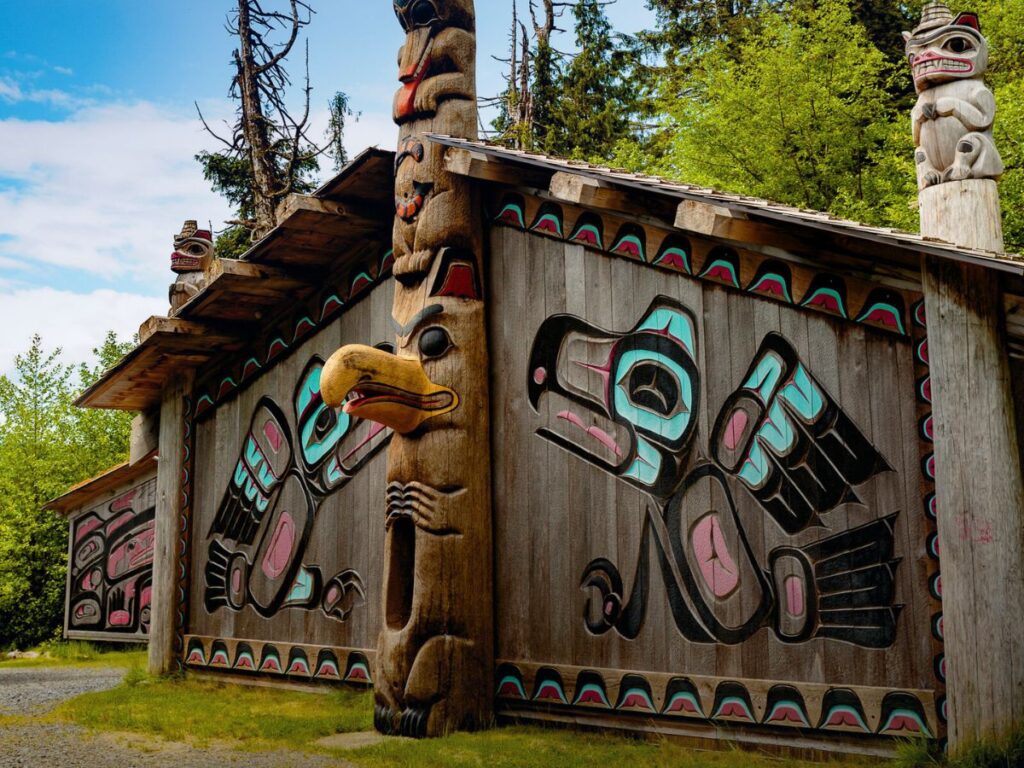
(713, 466)
(111, 539)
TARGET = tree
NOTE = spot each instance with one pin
(46, 445)
(597, 94)
(796, 110)
(269, 154)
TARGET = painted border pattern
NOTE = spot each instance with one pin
(866, 711)
(185, 526)
(281, 660)
(926, 438)
(880, 308)
(244, 369)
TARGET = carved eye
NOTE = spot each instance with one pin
(196, 249)
(653, 387)
(958, 45)
(423, 13)
(434, 342)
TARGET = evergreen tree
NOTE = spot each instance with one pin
(597, 99)
(46, 446)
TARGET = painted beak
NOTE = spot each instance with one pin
(379, 386)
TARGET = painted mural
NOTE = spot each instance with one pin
(780, 435)
(111, 566)
(259, 535)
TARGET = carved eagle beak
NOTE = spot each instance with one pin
(379, 386)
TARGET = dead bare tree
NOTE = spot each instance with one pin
(269, 153)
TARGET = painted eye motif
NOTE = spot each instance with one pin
(423, 13)
(196, 250)
(958, 45)
(653, 387)
(434, 342)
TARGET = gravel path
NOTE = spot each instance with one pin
(39, 744)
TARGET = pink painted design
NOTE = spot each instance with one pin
(683, 705)
(796, 605)
(244, 663)
(540, 376)
(236, 580)
(716, 564)
(333, 594)
(146, 597)
(595, 432)
(120, 618)
(722, 273)
(124, 502)
(825, 302)
(842, 719)
(903, 723)
(882, 317)
(119, 522)
(786, 714)
(274, 435)
(673, 260)
(733, 709)
(635, 701)
(86, 528)
(593, 697)
(280, 549)
(358, 673)
(733, 432)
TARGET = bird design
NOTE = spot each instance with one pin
(628, 403)
(280, 481)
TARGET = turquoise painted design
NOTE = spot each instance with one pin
(512, 215)
(304, 327)
(227, 386)
(683, 703)
(787, 712)
(358, 669)
(671, 428)
(884, 308)
(735, 707)
(311, 410)
(252, 366)
(591, 694)
(196, 655)
(636, 699)
(827, 300)
(844, 716)
(722, 271)
(387, 261)
(774, 285)
(298, 663)
(631, 242)
(220, 658)
(647, 465)
(360, 283)
(302, 589)
(328, 668)
(331, 306)
(244, 659)
(203, 403)
(674, 324)
(903, 722)
(548, 687)
(765, 377)
(548, 221)
(510, 683)
(277, 347)
(589, 231)
(675, 254)
(271, 661)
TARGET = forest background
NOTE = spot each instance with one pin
(803, 102)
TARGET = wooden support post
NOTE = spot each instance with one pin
(980, 491)
(163, 655)
(144, 436)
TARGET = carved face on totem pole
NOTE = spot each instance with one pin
(435, 652)
(193, 247)
(952, 121)
(193, 250)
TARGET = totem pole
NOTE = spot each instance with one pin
(435, 661)
(978, 471)
(193, 249)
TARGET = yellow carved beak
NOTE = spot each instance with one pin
(378, 386)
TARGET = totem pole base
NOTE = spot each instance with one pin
(965, 213)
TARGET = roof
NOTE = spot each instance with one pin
(317, 234)
(81, 495)
(750, 206)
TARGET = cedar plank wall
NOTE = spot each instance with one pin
(555, 512)
(347, 532)
(135, 502)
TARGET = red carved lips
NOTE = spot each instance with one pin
(411, 79)
(182, 262)
(932, 63)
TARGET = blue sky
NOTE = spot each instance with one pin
(98, 132)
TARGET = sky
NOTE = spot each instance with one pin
(98, 133)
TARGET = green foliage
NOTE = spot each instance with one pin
(46, 445)
(339, 111)
(597, 97)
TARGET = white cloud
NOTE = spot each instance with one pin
(103, 191)
(77, 322)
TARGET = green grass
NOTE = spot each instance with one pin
(200, 712)
(529, 747)
(80, 654)
(255, 719)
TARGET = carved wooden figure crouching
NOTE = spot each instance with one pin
(193, 249)
(953, 118)
(435, 652)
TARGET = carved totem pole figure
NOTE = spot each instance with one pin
(435, 652)
(193, 249)
(953, 118)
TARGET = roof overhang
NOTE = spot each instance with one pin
(84, 493)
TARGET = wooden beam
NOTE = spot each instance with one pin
(145, 436)
(268, 276)
(476, 165)
(711, 220)
(167, 553)
(211, 335)
(291, 211)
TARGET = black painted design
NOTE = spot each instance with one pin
(265, 519)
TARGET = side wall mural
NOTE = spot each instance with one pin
(286, 519)
(711, 502)
(111, 566)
